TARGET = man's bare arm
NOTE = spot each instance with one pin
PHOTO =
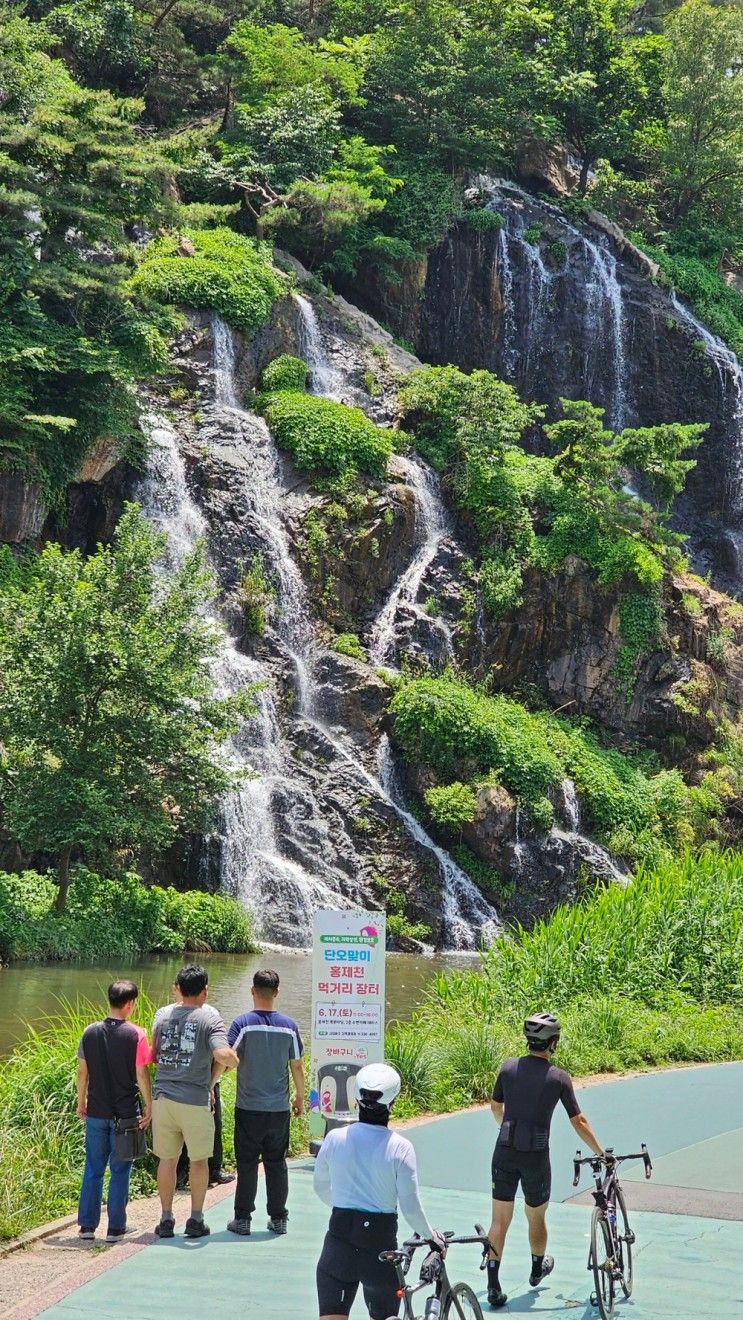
(584, 1130)
(225, 1057)
(145, 1090)
(297, 1071)
(497, 1107)
(82, 1089)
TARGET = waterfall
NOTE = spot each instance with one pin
(281, 879)
(730, 375)
(433, 525)
(324, 379)
(509, 345)
(281, 894)
(571, 805)
(468, 918)
(602, 307)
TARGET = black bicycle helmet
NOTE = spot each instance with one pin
(541, 1028)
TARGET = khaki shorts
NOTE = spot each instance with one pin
(174, 1123)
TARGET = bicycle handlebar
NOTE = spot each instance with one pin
(609, 1160)
(404, 1254)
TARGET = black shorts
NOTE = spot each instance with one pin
(531, 1168)
(343, 1267)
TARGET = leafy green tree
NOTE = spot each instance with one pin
(702, 158)
(598, 82)
(74, 172)
(109, 726)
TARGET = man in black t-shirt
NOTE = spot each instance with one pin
(112, 1060)
(525, 1094)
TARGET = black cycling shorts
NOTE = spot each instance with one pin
(531, 1168)
(343, 1267)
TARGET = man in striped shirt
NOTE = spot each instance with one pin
(268, 1046)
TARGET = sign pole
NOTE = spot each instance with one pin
(348, 974)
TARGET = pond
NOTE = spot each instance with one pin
(31, 992)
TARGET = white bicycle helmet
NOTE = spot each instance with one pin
(377, 1084)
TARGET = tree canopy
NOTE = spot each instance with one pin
(109, 724)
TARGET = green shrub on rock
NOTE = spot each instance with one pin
(213, 269)
(349, 644)
(285, 373)
(336, 442)
(451, 805)
(447, 725)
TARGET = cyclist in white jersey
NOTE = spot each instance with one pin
(364, 1171)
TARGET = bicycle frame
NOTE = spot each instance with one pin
(433, 1270)
(605, 1196)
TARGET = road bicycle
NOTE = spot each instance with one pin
(612, 1239)
(448, 1301)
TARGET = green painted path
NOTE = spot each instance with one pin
(686, 1266)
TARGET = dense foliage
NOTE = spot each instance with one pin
(333, 441)
(466, 737)
(344, 130)
(117, 917)
(534, 511)
(109, 727)
(650, 974)
(215, 269)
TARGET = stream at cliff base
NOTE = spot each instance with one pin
(31, 993)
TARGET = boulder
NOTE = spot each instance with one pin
(547, 168)
(493, 826)
(99, 461)
(351, 695)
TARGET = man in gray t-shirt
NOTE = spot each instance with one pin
(190, 1049)
(269, 1048)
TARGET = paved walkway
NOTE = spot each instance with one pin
(689, 1119)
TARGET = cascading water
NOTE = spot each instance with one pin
(467, 918)
(433, 524)
(324, 379)
(730, 375)
(599, 291)
(571, 804)
(281, 893)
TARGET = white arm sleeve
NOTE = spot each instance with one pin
(408, 1195)
(321, 1180)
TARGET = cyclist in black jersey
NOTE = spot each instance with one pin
(525, 1094)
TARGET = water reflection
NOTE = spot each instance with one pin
(29, 993)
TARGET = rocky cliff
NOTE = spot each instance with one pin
(571, 308)
(557, 309)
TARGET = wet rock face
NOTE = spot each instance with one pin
(566, 310)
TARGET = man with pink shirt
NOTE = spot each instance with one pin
(112, 1060)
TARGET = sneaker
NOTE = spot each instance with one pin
(278, 1225)
(86, 1235)
(221, 1179)
(196, 1228)
(117, 1234)
(165, 1229)
(239, 1226)
(496, 1298)
(548, 1264)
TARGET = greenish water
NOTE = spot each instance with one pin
(29, 993)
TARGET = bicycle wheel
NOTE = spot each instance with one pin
(461, 1304)
(603, 1264)
(627, 1237)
